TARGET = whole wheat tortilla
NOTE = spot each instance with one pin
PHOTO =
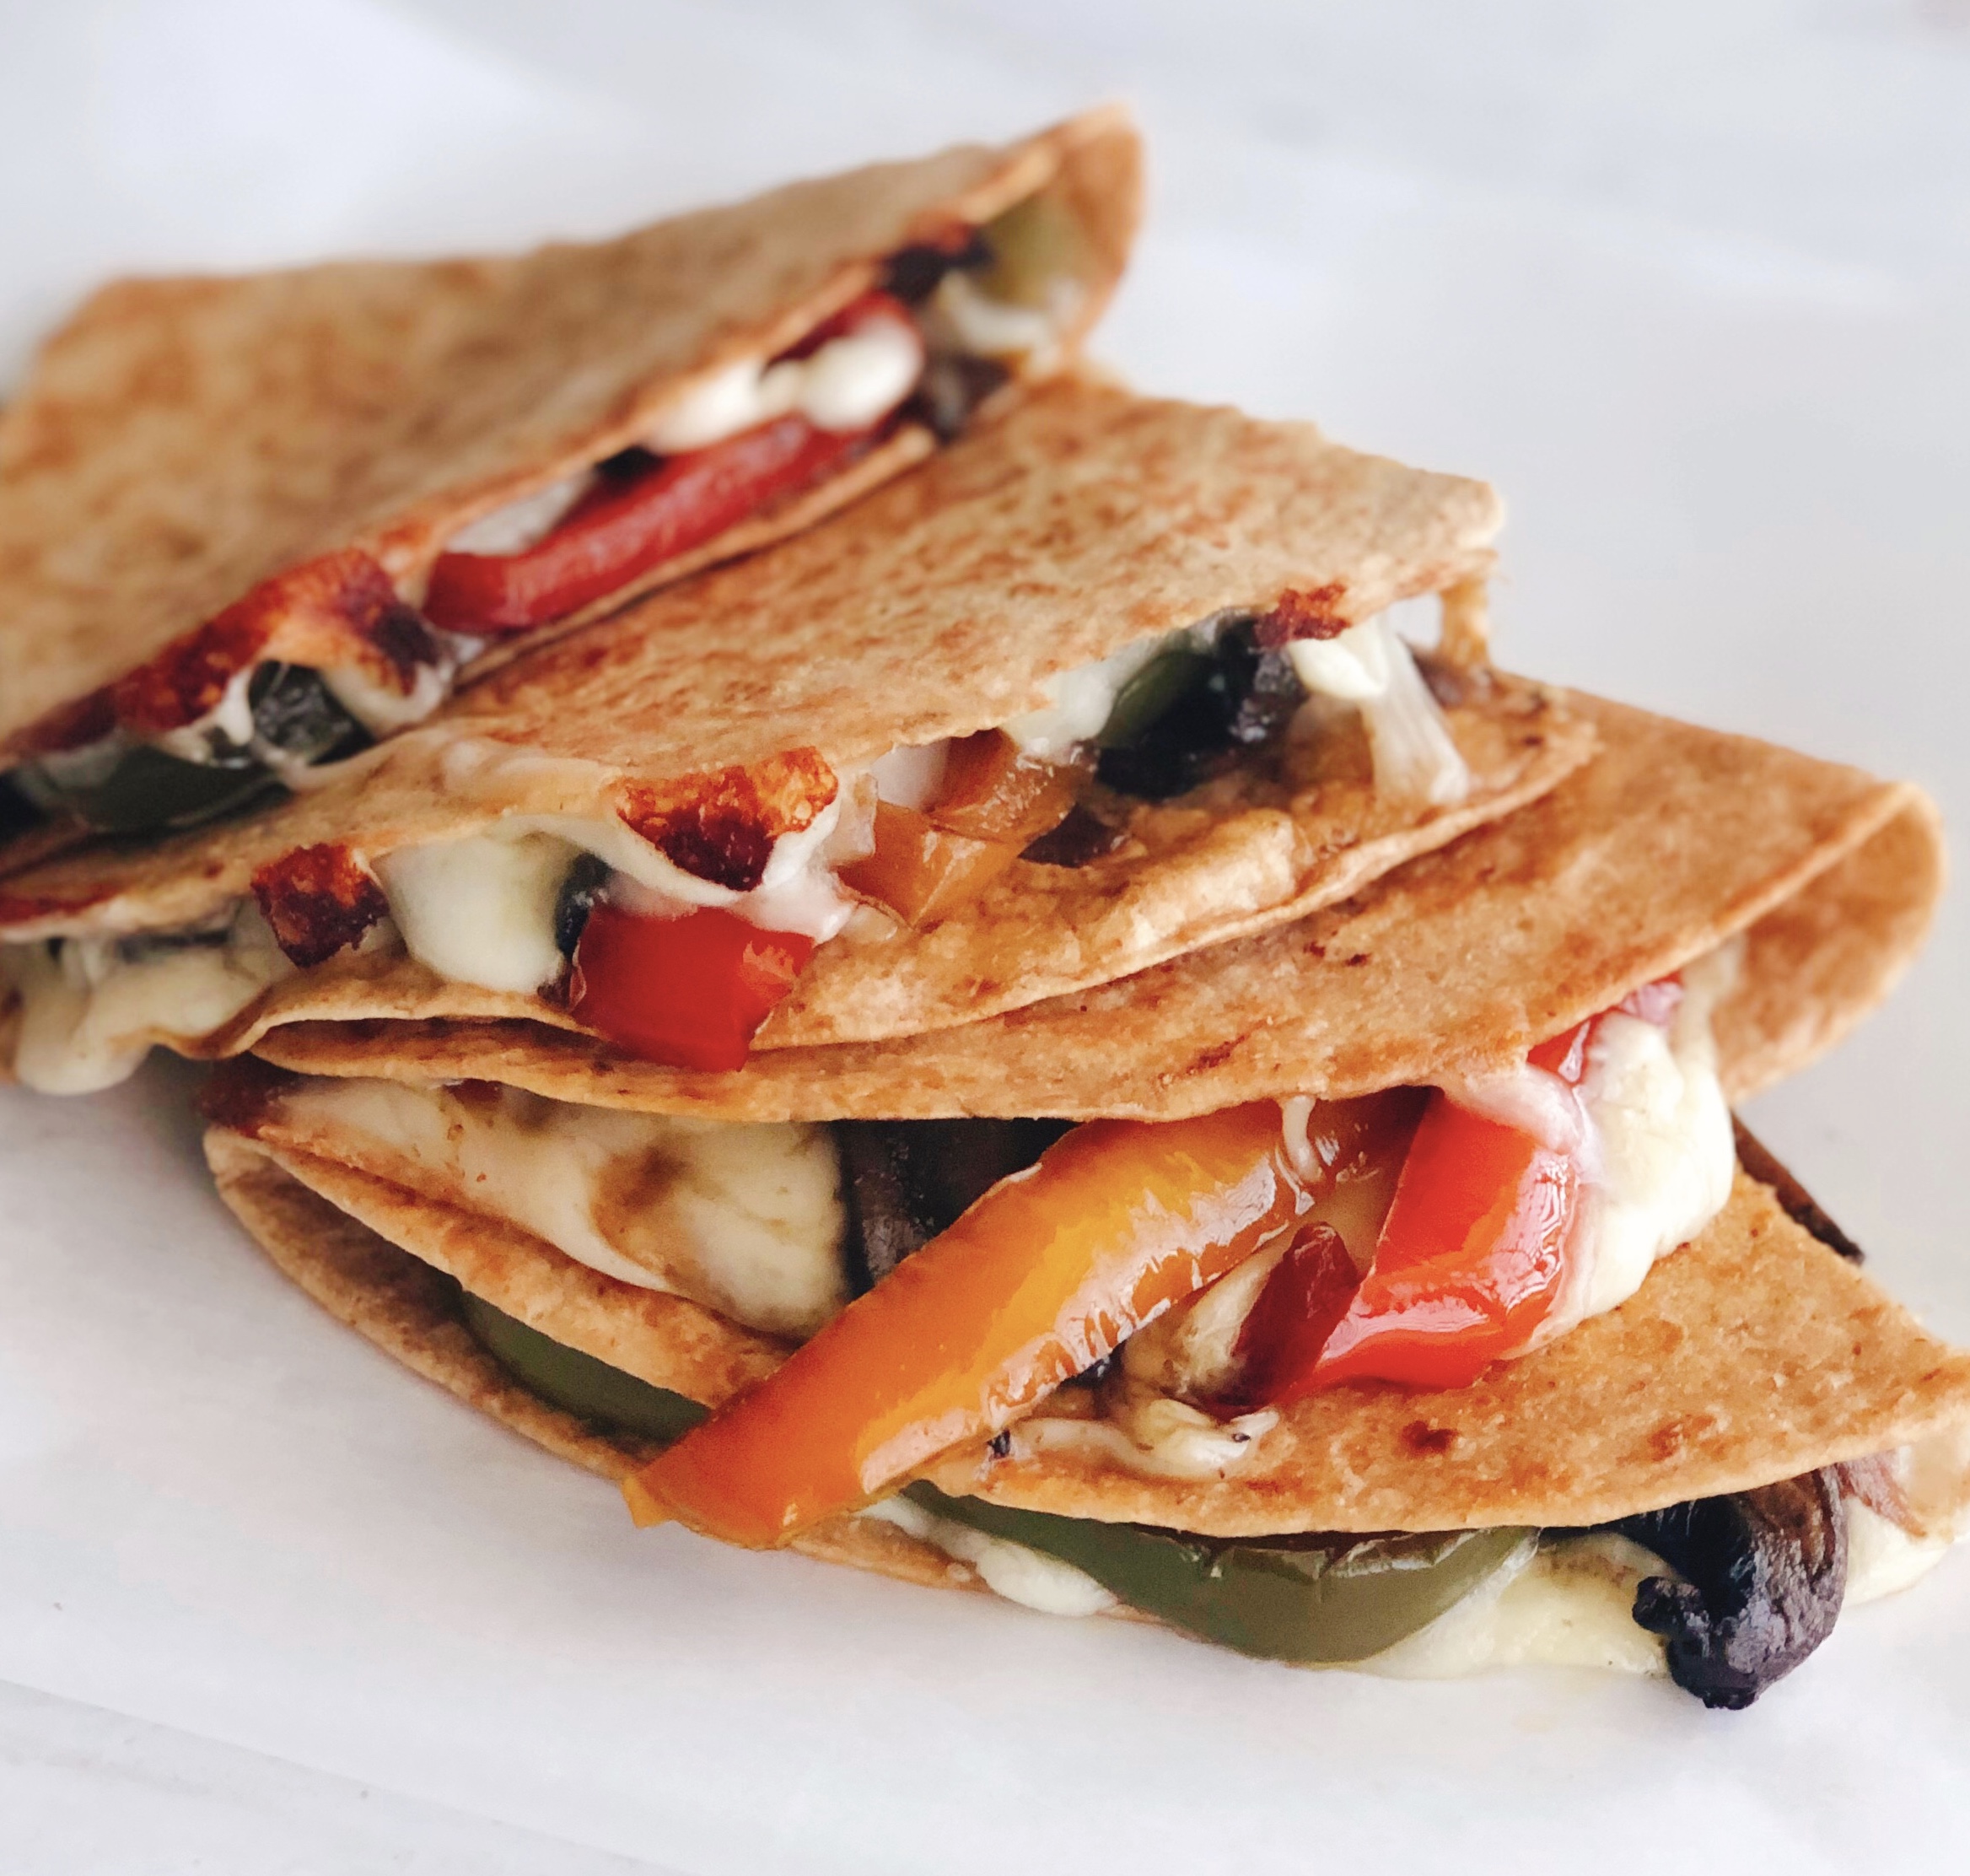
(179, 440)
(409, 1310)
(1078, 522)
(1752, 1354)
(1671, 840)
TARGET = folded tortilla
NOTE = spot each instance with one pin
(181, 442)
(1752, 1355)
(1671, 842)
(1079, 525)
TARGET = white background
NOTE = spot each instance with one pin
(1691, 281)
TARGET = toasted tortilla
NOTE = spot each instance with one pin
(1079, 522)
(181, 440)
(409, 1309)
(1672, 840)
(1752, 1355)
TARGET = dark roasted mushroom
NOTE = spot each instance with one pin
(908, 1180)
(1764, 1571)
(576, 899)
(1188, 715)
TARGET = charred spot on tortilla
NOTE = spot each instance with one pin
(1313, 613)
(722, 827)
(1762, 1576)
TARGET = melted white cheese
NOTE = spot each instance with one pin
(847, 385)
(1080, 701)
(383, 709)
(481, 910)
(1144, 1430)
(1015, 1571)
(968, 319)
(1567, 1603)
(1370, 665)
(747, 1220)
(91, 1010)
(1666, 1153)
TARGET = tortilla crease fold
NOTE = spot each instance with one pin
(1078, 522)
(1752, 1355)
(179, 440)
(1671, 841)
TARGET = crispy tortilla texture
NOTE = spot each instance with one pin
(404, 1305)
(1750, 1356)
(1075, 523)
(1193, 877)
(179, 440)
(1670, 840)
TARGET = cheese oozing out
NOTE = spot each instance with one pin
(1560, 1600)
(1370, 666)
(747, 1220)
(847, 385)
(91, 1007)
(481, 909)
(1650, 1128)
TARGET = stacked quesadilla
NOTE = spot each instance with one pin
(1033, 1035)
(249, 526)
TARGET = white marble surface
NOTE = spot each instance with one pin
(1691, 281)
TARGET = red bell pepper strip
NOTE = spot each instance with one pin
(691, 992)
(1299, 1308)
(1475, 1253)
(619, 533)
(1045, 1274)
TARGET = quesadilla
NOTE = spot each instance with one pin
(249, 525)
(1425, 1313)
(1108, 680)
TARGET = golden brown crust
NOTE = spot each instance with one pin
(1079, 521)
(1752, 1354)
(405, 1308)
(1669, 841)
(181, 440)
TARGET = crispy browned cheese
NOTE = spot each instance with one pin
(1671, 840)
(181, 441)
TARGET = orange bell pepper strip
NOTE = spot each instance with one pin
(991, 791)
(1044, 1275)
(921, 872)
(993, 802)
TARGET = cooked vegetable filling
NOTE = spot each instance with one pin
(677, 944)
(950, 325)
(1748, 1585)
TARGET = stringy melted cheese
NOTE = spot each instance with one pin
(91, 1008)
(747, 1220)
